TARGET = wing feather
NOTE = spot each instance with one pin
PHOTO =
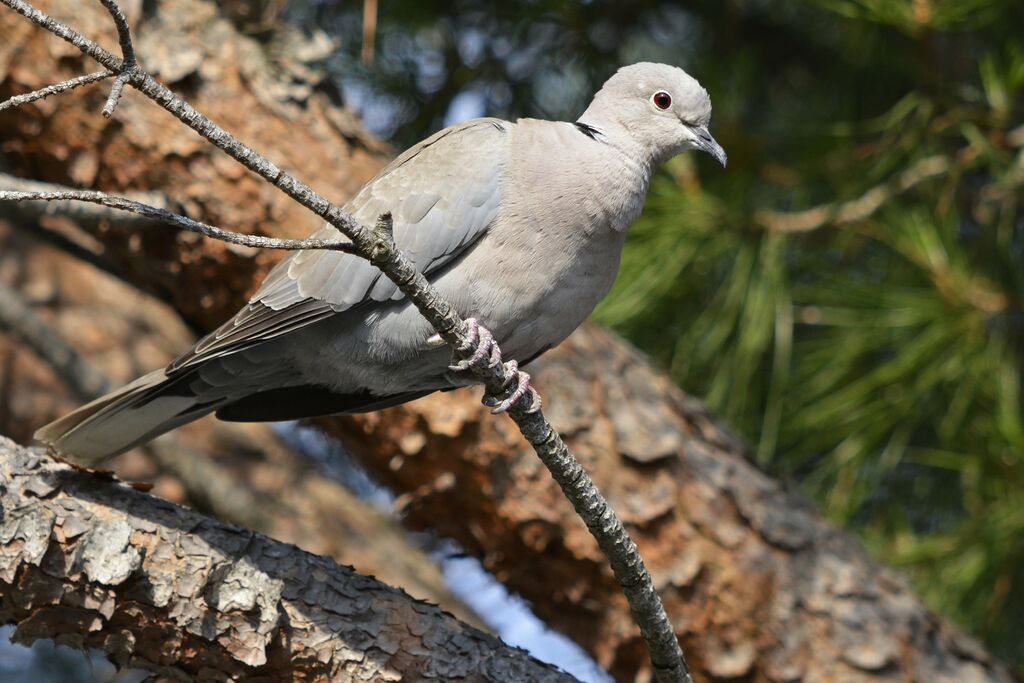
(443, 194)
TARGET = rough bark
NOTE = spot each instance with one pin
(758, 586)
(92, 562)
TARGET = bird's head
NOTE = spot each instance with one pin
(661, 107)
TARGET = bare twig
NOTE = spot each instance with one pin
(115, 94)
(129, 63)
(26, 217)
(177, 220)
(369, 29)
(378, 247)
(55, 89)
(80, 212)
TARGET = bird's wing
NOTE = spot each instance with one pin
(443, 194)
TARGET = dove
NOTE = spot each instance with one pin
(519, 225)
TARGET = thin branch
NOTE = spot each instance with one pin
(177, 220)
(858, 209)
(55, 89)
(129, 63)
(378, 247)
(864, 206)
(115, 94)
(124, 32)
(369, 29)
(26, 217)
(80, 212)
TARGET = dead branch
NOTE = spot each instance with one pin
(94, 562)
(55, 89)
(177, 220)
(78, 211)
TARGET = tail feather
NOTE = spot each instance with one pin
(123, 419)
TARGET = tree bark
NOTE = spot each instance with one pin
(758, 586)
(89, 561)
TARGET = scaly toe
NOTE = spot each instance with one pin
(483, 340)
(522, 389)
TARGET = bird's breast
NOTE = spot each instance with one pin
(553, 252)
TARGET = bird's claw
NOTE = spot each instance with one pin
(485, 350)
(515, 394)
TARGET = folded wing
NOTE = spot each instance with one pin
(443, 194)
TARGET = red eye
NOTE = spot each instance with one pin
(662, 100)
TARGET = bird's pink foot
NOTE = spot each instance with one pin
(514, 394)
(484, 352)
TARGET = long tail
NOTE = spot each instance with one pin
(161, 401)
(132, 415)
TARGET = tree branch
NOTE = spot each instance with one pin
(128, 64)
(177, 220)
(55, 89)
(627, 565)
(864, 206)
(91, 213)
(26, 215)
(93, 561)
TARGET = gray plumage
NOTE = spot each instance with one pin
(519, 225)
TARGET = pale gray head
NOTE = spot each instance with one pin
(661, 107)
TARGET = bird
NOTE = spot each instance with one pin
(519, 225)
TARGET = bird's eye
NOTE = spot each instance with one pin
(662, 100)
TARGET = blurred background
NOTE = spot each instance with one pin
(848, 294)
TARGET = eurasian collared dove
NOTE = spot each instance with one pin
(519, 225)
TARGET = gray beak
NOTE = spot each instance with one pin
(708, 144)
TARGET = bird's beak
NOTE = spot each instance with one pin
(705, 142)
